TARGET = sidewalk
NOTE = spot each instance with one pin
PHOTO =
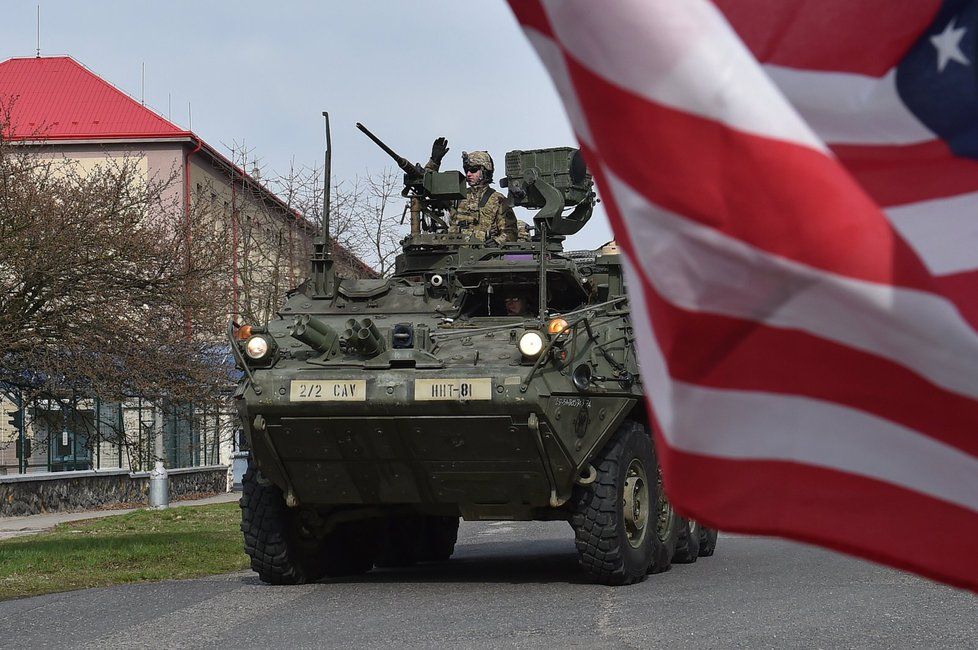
(33, 524)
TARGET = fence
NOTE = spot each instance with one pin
(75, 433)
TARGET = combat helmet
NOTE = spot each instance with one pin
(480, 159)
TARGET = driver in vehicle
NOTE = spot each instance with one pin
(516, 305)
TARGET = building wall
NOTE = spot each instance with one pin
(270, 245)
(157, 160)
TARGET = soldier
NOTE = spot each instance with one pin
(484, 212)
(516, 304)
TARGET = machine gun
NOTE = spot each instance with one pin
(431, 193)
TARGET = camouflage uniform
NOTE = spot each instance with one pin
(484, 212)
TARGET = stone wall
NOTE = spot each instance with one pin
(31, 494)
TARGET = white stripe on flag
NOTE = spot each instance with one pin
(850, 108)
(697, 64)
(700, 269)
(766, 426)
(944, 232)
(745, 425)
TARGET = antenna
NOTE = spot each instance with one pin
(327, 172)
(323, 273)
(39, 31)
(190, 116)
(142, 84)
(169, 108)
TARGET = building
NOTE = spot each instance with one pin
(61, 109)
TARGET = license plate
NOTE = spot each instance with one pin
(328, 390)
(431, 390)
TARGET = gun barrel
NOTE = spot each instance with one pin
(409, 168)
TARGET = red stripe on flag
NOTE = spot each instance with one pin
(730, 353)
(781, 197)
(899, 174)
(856, 515)
(960, 289)
(530, 13)
(858, 36)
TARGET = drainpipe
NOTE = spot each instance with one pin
(292, 224)
(235, 215)
(186, 210)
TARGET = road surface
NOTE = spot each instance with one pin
(518, 585)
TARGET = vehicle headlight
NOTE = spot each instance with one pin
(257, 347)
(531, 344)
(557, 325)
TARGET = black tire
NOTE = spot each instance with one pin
(616, 542)
(441, 534)
(404, 540)
(351, 548)
(412, 539)
(667, 527)
(284, 552)
(270, 537)
(708, 541)
(688, 544)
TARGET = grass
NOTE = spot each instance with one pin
(185, 542)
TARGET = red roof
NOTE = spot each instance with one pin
(57, 98)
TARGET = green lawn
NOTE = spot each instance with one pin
(145, 545)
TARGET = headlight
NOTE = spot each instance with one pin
(557, 326)
(531, 343)
(256, 347)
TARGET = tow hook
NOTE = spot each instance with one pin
(592, 476)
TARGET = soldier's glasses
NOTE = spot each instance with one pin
(469, 169)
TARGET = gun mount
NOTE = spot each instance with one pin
(431, 192)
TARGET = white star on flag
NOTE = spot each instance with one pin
(948, 45)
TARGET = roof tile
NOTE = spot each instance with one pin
(57, 98)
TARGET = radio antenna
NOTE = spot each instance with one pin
(323, 273)
(327, 173)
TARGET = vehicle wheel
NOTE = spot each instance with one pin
(351, 548)
(278, 555)
(404, 540)
(688, 544)
(613, 520)
(667, 526)
(708, 541)
(441, 534)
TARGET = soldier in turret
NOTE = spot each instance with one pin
(484, 212)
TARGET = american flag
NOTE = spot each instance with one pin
(794, 185)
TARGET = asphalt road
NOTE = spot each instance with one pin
(517, 585)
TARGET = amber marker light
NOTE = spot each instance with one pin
(557, 326)
(244, 332)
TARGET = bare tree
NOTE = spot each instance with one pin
(380, 216)
(108, 285)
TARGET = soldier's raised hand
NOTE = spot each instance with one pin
(438, 149)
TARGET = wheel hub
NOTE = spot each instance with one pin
(635, 503)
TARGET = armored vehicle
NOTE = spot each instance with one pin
(379, 411)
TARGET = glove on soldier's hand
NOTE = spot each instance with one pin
(438, 149)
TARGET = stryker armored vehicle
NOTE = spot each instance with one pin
(379, 411)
